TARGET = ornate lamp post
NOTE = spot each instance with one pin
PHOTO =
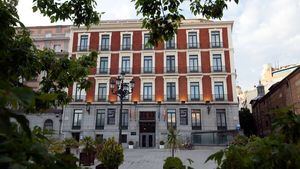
(121, 89)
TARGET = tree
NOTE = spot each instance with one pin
(173, 140)
(247, 122)
(161, 17)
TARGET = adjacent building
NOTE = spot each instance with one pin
(187, 83)
(283, 94)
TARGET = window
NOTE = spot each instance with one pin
(48, 125)
(124, 138)
(147, 64)
(170, 63)
(171, 91)
(77, 117)
(104, 43)
(111, 116)
(126, 42)
(171, 118)
(103, 65)
(124, 119)
(79, 94)
(170, 44)
(215, 39)
(125, 64)
(100, 117)
(83, 46)
(102, 89)
(219, 91)
(194, 65)
(76, 136)
(146, 39)
(217, 63)
(221, 119)
(183, 112)
(196, 119)
(192, 40)
(57, 48)
(147, 95)
(195, 92)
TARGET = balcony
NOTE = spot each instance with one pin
(219, 97)
(216, 45)
(173, 69)
(76, 127)
(126, 47)
(83, 48)
(193, 45)
(196, 127)
(170, 46)
(124, 127)
(104, 47)
(221, 127)
(194, 69)
(171, 98)
(218, 69)
(103, 71)
(79, 98)
(147, 98)
(147, 47)
(195, 97)
(126, 70)
(148, 70)
(101, 98)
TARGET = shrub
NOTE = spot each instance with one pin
(173, 163)
(111, 155)
(130, 142)
(161, 143)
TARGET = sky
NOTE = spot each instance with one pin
(265, 31)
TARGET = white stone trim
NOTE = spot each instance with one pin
(168, 53)
(121, 39)
(188, 53)
(148, 80)
(100, 39)
(194, 79)
(175, 41)
(108, 62)
(219, 79)
(83, 92)
(102, 80)
(79, 39)
(171, 79)
(221, 36)
(147, 53)
(187, 37)
(122, 54)
(222, 57)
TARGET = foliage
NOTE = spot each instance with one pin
(111, 155)
(281, 149)
(173, 140)
(173, 163)
(89, 144)
(161, 17)
(70, 143)
(247, 122)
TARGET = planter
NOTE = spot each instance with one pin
(161, 146)
(130, 146)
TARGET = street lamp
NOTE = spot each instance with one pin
(121, 89)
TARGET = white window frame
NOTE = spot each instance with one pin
(221, 36)
(148, 80)
(187, 38)
(165, 43)
(189, 53)
(102, 80)
(100, 40)
(143, 40)
(121, 40)
(83, 92)
(153, 61)
(171, 79)
(121, 55)
(108, 62)
(79, 40)
(222, 58)
(167, 53)
(127, 80)
(195, 79)
(219, 79)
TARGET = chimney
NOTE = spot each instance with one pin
(260, 89)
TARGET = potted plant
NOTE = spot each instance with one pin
(111, 156)
(161, 145)
(130, 144)
(87, 155)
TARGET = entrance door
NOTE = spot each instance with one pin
(147, 129)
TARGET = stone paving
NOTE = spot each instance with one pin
(154, 158)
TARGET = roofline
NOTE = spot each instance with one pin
(47, 26)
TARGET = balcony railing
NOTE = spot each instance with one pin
(170, 46)
(196, 127)
(103, 71)
(193, 45)
(79, 98)
(124, 127)
(147, 98)
(171, 98)
(83, 48)
(126, 47)
(218, 69)
(76, 127)
(221, 127)
(148, 70)
(195, 97)
(104, 47)
(219, 97)
(194, 69)
(126, 70)
(216, 45)
(173, 69)
(101, 98)
(147, 47)
(99, 127)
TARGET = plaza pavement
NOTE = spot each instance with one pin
(154, 158)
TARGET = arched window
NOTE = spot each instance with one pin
(48, 125)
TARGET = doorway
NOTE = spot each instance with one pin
(147, 129)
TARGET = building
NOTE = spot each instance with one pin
(57, 38)
(186, 82)
(283, 94)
